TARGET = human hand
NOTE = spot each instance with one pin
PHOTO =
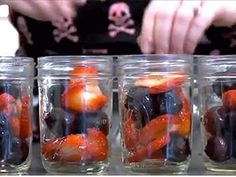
(177, 26)
(45, 10)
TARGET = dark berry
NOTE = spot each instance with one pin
(178, 149)
(222, 85)
(148, 106)
(61, 122)
(54, 94)
(97, 120)
(5, 137)
(9, 88)
(19, 151)
(215, 120)
(217, 149)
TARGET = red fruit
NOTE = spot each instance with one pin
(97, 145)
(81, 73)
(21, 126)
(88, 98)
(182, 123)
(156, 127)
(51, 148)
(149, 150)
(229, 100)
(6, 99)
(73, 148)
(130, 132)
(158, 84)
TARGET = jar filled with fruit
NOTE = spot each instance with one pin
(16, 82)
(156, 112)
(75, 98)
(217, 92)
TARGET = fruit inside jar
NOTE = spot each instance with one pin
(156, 120)
(78, 124)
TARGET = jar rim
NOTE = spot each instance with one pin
(62, 58)
(21, 58)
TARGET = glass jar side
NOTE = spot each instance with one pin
(216, 87)
(155, 108)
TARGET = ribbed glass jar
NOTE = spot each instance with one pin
(16, 82)
(156, 112)
(75, 101)
(217, 104)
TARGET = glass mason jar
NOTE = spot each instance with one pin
(16, 82)
(75, 96)
(217, 91)
(156, 112)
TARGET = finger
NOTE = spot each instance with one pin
(64, 8)
(80, 2)
(163, 24)
(45, 9)
(182, 20)
(201, 22)
(25, 7)
(146, 37)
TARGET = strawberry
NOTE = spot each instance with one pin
(159, 125)
(81, 73)
(97, 145)
(73, 148)
(21, 126)
(51, 148)
(182, 123)
(88, 98)
(229, 100)
(130, 133)
(6, 99)
(158, 84)
(149, 150)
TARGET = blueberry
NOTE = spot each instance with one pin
(61, 122)
(97, 120)
(148, 106)
(9, 88)
(178, 149)
(215, 120)
(19, 151)
(54, 94)
(5, 137)
(218, 149)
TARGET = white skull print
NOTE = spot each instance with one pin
(121, 21)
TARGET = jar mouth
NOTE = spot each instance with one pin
(16, 67)
(73, 58)
(216, 59)
(60, 66)
(166, 64)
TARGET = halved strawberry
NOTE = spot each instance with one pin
(160, 84)
(156, 127)
(5, 99)
(21, 126)
(147, 151)
(51, 148)
(183, 122)
(81, 72)
(229, 100)
(73, 148)
(97, 145)
(88, 98)
(130, 132)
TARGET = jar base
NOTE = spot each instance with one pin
(159, 167)
(224, 168)
(62, 167)
(14, 169)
